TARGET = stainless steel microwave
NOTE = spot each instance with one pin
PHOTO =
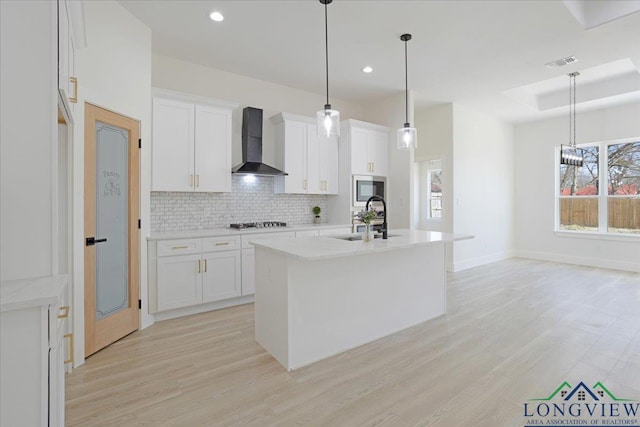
(365, 186)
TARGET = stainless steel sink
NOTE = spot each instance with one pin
(355, 237)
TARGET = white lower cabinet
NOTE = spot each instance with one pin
(32, 339)
(179, 282)
(189, 272)
(221, 275)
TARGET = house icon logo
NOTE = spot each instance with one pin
(582, 405)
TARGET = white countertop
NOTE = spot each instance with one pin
(33, 292)
(213, 232)
(317, 248)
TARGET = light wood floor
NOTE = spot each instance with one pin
(515, 330)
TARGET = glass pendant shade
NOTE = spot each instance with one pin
(407, 138)
(328, 122)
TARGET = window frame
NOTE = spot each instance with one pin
(602, 197)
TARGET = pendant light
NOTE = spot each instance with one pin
(328, 119)
(569, 154)
(407, 136)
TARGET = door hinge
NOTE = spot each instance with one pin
(139, 142)
(139, 304)
(139, 224)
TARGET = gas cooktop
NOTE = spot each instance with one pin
(263, 224)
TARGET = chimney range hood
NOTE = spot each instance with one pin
(252, 146)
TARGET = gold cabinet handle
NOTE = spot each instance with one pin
(180, 247)
(304, 184)
(205, 265)
(222, 243)
(70, 359)
(74, 99)
(64, 312)
(197, 180)
(191, 180)
(198, 266)
(373, 167)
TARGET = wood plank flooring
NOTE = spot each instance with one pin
(515, 330)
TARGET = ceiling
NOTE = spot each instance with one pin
(477, 53)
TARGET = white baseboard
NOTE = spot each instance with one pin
(196, 309)
(577, 260)
(485, 259)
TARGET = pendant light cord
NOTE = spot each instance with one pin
(326, 45)
(574, 111)
(406, 84)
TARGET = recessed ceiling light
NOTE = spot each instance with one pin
(216, 16)
(367, 69)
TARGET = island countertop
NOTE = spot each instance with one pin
(317, 248)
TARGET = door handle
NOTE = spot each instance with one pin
(90, 241)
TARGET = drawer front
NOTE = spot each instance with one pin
(179, 247)
(255, 236)
(214, 244)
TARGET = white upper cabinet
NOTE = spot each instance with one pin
(71, 36)
(213, 149)
(191, 145)
(173, 145)
(311, 161)
(369, 146)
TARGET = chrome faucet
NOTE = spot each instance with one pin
(384, 218)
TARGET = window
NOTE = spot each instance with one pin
(429, 186)
(434, 197)
(583, 203)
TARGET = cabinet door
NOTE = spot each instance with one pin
(314, 186)
(360, 163)
(212, 149)
(248, 271)
(221, 275)
(328, 155)
(172, 146)
(378, 149)
(179, 281)
(295, 153)
(63, 47)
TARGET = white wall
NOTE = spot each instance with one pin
(28, 136)
(391, 112)
(187, 77)
(535, 184)
(114, 72)
(483, 188)
(435, 141)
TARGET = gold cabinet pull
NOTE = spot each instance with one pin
(180, 247)
(190, 180)
(205, 265)
(70, 359)
(64, 312)
(74, 99)
(197, 180)
(304, 184)
(222, 243)
(198, 266)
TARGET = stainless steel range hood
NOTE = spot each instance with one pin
(252, 146)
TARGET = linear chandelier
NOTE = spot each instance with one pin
(570, 154)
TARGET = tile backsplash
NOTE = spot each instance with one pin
(248, 202)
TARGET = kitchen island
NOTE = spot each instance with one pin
(319, 296)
